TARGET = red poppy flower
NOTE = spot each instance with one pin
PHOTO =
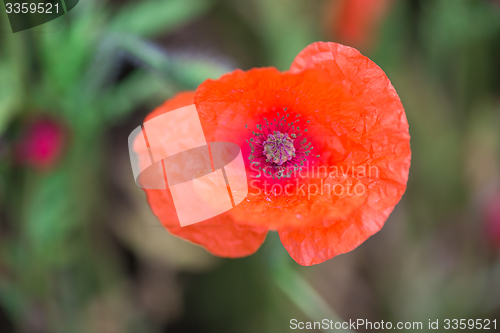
(326, 147)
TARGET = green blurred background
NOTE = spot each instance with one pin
(80, 250)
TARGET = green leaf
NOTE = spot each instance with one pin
(65, 54)
(186, 71)
(123, 99)
(12, 299)
(10, 94)
(285, 26)
(192, 70)
(149, 17)
(49, 214)
(302, 294)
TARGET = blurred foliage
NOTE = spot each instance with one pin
(81, 251)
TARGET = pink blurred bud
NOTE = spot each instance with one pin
(492, 219)
(41, 143)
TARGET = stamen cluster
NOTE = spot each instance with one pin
(276, 148)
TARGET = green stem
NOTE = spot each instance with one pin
(303, 295)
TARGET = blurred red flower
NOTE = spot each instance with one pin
(41, 143)
(334, 109)
(356, 22)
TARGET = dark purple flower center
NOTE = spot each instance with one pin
(276, 148)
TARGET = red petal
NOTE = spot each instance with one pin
(219, 235)
(223, 237)
(314, 245)
(380, 138)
